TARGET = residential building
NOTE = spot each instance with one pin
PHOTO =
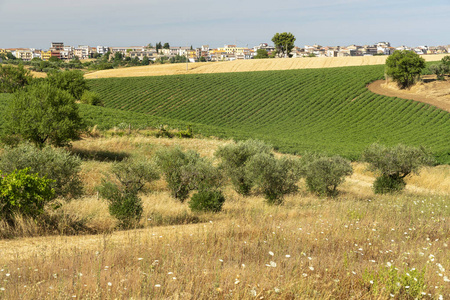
(57, 46)
(45, 55)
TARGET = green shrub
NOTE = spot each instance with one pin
(164, 132)
(91, 98)
(393, 164)
(323, 174)
(207, 200)
(388, 184)
(274, 177)
(123, 204)
(121, 191)
(234, 158)
(186, 171)
(188, 133)
(439, 70)
(55, 164)
(24, 194)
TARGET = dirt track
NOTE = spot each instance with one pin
(424, 95)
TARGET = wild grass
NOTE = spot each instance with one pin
(356, 246)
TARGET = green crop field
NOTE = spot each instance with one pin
(326, 110)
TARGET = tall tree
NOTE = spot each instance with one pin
(166, 46)
(43, 114)
(404, 67)
(284, 43)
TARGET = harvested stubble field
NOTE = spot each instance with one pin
(357, 246)
(248, 66)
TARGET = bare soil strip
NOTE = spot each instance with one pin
(436, 94)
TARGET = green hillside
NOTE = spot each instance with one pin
(328, 110)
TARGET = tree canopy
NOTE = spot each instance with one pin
(261, 53)
(43, 114)
(284, 43)
(13, 78)
(71, 81)
(404, 67)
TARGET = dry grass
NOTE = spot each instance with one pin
(309, 248)
(248, 66)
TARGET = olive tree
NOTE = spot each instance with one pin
(185, 171)
(323, 174)
(393, 164)
(233, 159)
(121, 189)
(273, 177)
(404, 67)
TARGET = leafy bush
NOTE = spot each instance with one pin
(55, 164)
(124, 205)
(121, 191)
(404, 67)
(186, 171)
(388, 184)
(91, 98)
(207, 200)
(44, 114)
(439, 70)
(274, 177)
(71, 81)
(188, 133)
(164, 132)
(395, 163)
(13, 78)
(23, 193)
(323, 174)
(234, 158)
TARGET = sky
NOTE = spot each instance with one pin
(35, 24)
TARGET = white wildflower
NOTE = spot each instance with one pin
(271, 253)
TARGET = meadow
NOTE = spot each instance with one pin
(356, 246)
(326, 110)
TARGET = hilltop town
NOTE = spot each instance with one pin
(205, 53)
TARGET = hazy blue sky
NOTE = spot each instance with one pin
(31, 23)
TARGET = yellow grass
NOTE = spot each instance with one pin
(247, 66)
(308, 248)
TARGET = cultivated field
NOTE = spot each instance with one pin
(357, 246)
(326, 110)
(248, 66)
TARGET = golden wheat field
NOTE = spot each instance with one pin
(247, 66)
(356, 246)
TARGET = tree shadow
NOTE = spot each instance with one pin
(100, 155)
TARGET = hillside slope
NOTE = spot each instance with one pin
(328, 110)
